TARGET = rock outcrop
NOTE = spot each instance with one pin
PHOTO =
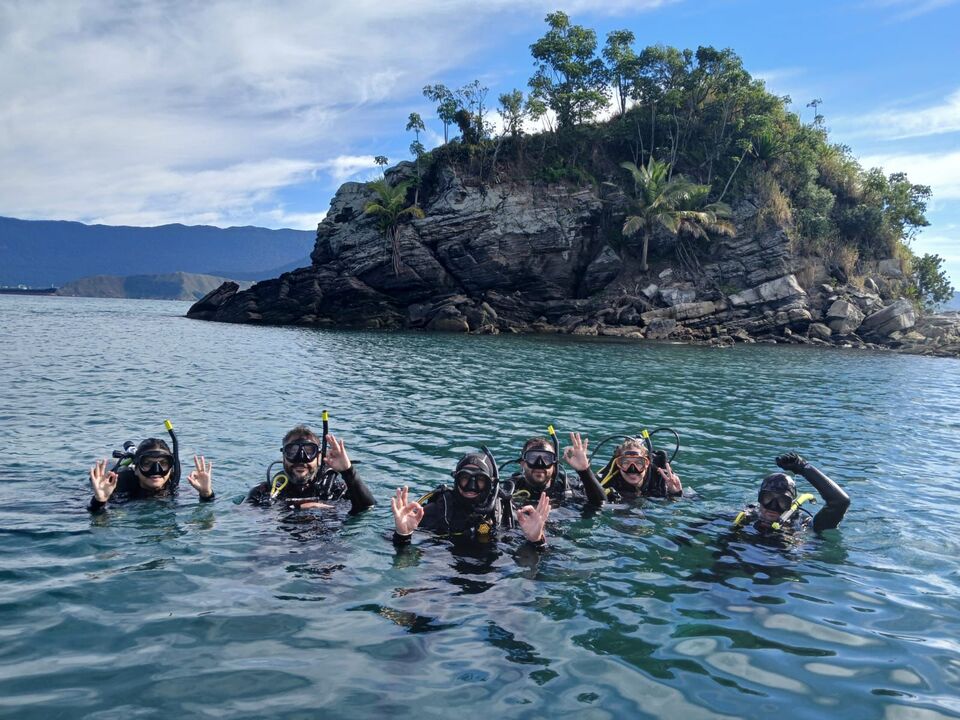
(518, 257)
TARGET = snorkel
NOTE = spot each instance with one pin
(787, 516)
(174, 481)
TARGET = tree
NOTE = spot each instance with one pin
(470, 115)
(698, 218)
(658, 202)
(381, 161)
(569, 79)
(933, 285)
(446, 105)
(621, 65)
(391, 209)
(512, 112)
(415, 123)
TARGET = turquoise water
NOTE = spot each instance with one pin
(176, 609)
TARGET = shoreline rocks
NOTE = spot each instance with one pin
(521, 258)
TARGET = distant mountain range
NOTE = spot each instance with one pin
(44, 253)
(172, 286)
(953, 304)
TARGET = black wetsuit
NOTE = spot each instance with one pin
(326, 487)
(835, 499)
(446, 512)
(561, 490)
(618, 490)
(129, 488)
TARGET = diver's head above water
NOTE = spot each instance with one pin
(776, 495)
(301, 454)
(538, 462)
(153, 464)
(633, 460)
(474, 477)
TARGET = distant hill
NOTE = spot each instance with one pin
(173, 286)
(41, 253)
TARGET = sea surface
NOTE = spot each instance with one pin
(176, 609)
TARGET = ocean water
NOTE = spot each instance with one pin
(164, 609)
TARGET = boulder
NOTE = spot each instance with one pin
(602, 269)
(893, 318)
(677, 295)
(660, 328)
(819, 331)
(844, 317)
(783, 288)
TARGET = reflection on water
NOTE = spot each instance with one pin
(182, 609)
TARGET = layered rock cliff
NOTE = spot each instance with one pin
(519, 257)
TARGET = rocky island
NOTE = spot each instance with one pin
(550, 233)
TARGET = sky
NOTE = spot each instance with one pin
(146, 112)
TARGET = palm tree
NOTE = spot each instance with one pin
(698, 219)
(656, 198)
(390, 211)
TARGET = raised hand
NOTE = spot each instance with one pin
(671, 481)
(791, 462)
(406, 514)
(201, 477)
(533, 518)
(337, 458)
(103, 482)
(576, 455)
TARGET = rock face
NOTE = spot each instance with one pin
(518, 257)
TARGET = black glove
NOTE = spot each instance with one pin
(791, 462)
(659, 458)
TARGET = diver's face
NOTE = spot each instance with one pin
(633, 466)
(772, 506)
(153, 471)
(538, 464)
(301, 458)
(472, 482)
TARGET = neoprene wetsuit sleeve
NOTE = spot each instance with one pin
(96, 505)
(259, 494)
(360, 496)
(591, 486)
(400, 540)
(209, 497)
(837, 501)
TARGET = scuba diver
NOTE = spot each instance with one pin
(150, 469)
(315, 472)
(540, 473)
(778, 506)
(476, 508)
(636, 470)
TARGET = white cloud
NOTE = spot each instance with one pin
(902, 123)
(346, 166)
(941, 171)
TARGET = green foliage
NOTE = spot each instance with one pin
(512, 112)
(699, 112)
(570, 79)
(931, 281)
(391, 209)
(446, 105)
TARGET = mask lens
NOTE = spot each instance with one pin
(301, 451)
(155, 464)
(633, 462)
(471, 482)
(540, 458)
(775, 501)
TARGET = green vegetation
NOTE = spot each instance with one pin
(391, 210)
(696, 117)
(931, 282)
